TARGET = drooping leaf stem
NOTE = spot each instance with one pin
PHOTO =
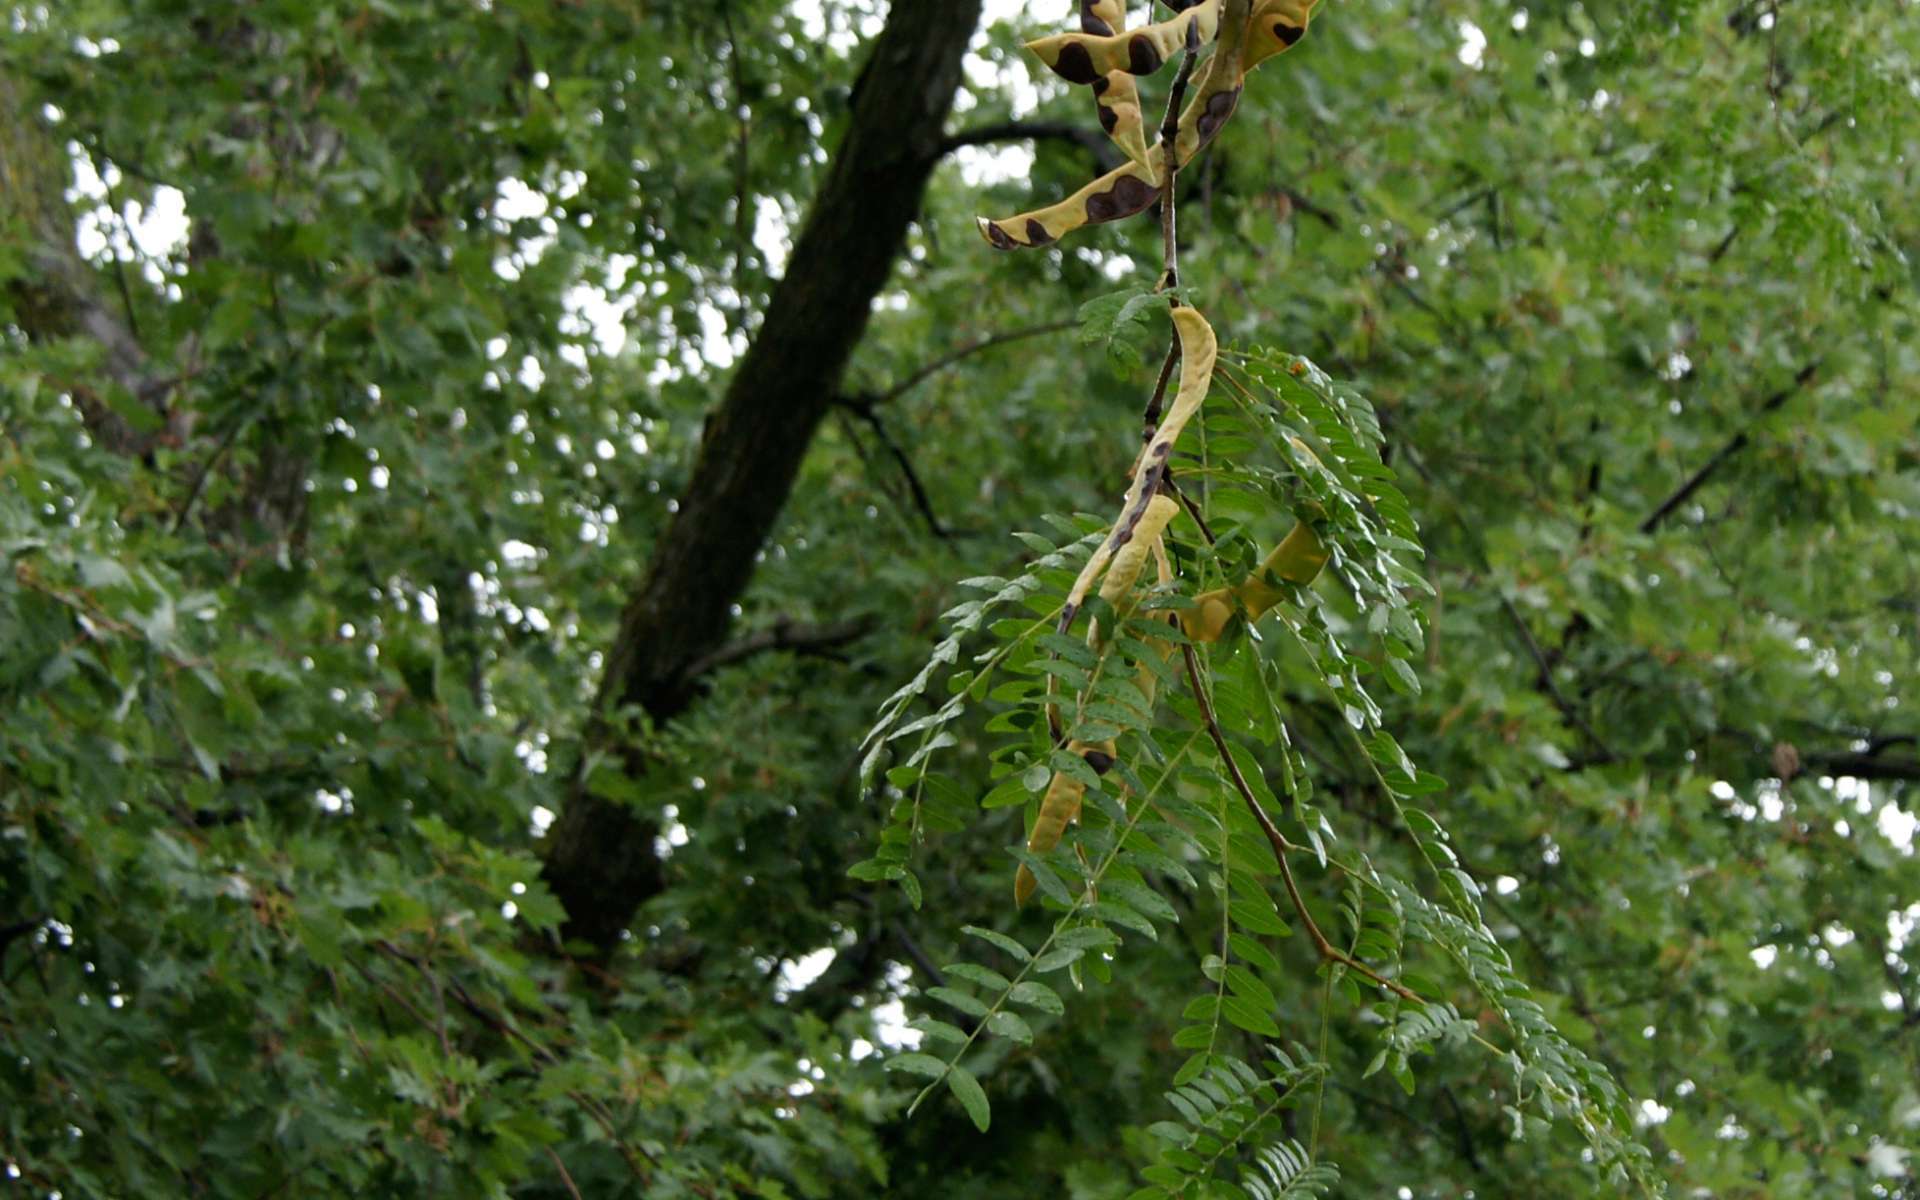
(1277, 840)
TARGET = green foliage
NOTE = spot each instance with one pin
(1124, 322)
(1296, 444)
(288, 695)
(1224, 1108)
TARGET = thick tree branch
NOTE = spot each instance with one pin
(923, 373)
(1863, 765)
(784, 634)
(863, 408)
(1736, 444)
(60, 297)
(600, 860)
(1025, 131)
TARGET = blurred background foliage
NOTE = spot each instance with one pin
(353, 353)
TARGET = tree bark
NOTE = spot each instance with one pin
(600, 859)
(58, 297)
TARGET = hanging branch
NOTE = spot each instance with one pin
(1736, 444)
(864, 409)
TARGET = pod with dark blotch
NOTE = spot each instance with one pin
(1059, 809)
(1131, 559)
(1198, 349)
(1116, 97)
(1083, 58)
(1122, 192)
(1276, 26)
(1217, 90)
(1132, 188)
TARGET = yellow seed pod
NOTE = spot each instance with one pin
(1121, 192)
(1132, 188)
(1084, 58)
(1276, 26)
(1131, 559)
(1116, 97)
(1059, 808)
(1198, 350)
(1297, 560)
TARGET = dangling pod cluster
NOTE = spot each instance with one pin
(1159, 740)
(1106, 57)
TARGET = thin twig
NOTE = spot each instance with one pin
(919, 956)
(1170, 138)
(564, 1177)
(1193, 510)
(1150, 419)
(1020, 131)
(206, 470)
(785, 634)
(1547, 684)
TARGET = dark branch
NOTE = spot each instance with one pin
(1736, 444)
(1193, 510)
(1544, 679)
(785, 634)
(864, 409)
(1170, 173)
(600, 861)
(1025, 131)
(919, 956)
(1300, 202)
(18, 929)
(933, 368)
(1150, 420)
(1863, 765)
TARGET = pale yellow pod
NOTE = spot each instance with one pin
(1059, 808)
(1297, 560)
(1083, 58)
(1131, 559)
(1198, 350)
(1128, 189)
(1145, 677)
(1116, 97)
(1276, 26)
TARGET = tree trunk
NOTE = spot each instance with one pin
(56, 297)
(600, 860)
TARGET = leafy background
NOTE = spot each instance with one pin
(293, 679)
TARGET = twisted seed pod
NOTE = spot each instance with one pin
(1086, 57)
(1198, 348)
(1133, 187)
(1116, 97)
(1060, 807)
(1296, 561)
(1277, 25)
(1274, 25)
